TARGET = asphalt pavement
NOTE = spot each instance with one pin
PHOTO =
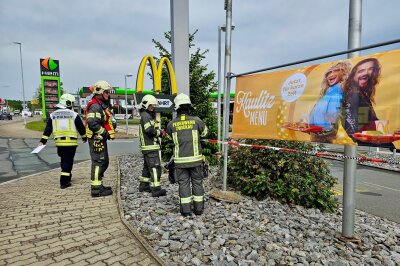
(16, 144)
(377, 190)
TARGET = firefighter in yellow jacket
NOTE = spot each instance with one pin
(186, 131)
(99, 129)
(150, 140)
(65, 124)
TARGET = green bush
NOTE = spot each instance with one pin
(291, 177)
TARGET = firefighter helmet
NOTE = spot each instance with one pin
(100, 86)
(66, 100)
(147, 100)
(181, 99)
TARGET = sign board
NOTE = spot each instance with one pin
(353, 101)
(50, 84)
(121, 116)
(165, 102)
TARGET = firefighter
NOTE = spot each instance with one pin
(65, 124)
(99, 129)
(186, 131)
(150, 140)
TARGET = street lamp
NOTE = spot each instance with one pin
(126, 103)
(220, 28)
(22, 73)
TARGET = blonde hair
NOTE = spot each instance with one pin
(344, 67)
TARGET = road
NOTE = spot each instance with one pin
(16, 144)
(377, 190)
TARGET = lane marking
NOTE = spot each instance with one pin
(339, 191)
(397, 190)
(373, 186)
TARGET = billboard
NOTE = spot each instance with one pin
(352, 101)
(50, 84)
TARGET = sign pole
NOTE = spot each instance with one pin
(227, 72)
(350, 165)
(219, 89)
(126, 108)
(180, 43)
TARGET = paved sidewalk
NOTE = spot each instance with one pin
(40, 224)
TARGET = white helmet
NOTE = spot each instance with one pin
(66, 100)
(147, 100)
(181, 99)
(100, 86)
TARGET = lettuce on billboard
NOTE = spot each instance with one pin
(354, 101)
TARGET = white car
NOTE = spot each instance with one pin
(27, 113)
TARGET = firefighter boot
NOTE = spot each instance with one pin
(106, 187)
(100, 192)
(158, 192)
(65, 181)
(144, 187)
(186, 214)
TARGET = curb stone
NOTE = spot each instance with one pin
(129, 226)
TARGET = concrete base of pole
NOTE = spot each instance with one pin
(226, 196)
(350, 239)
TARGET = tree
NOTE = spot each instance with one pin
(201, 83)
(14, 104)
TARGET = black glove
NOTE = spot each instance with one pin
(170, 166)
(206, 167)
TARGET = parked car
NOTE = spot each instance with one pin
(17, 112)
(5, 116)
(27, 113)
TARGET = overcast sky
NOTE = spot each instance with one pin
(107, 39)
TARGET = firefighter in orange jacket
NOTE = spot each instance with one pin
(99, 129)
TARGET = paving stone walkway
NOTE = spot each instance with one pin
(41, 224)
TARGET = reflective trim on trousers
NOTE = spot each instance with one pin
(144, 179)
(156, 181)
(186, 200)
(189, 159)
(198, 198)
(150, 147)
(96, 181)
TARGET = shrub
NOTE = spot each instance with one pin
(291, 177)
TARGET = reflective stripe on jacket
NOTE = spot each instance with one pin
(149, 133)
(65, 125)
(186, 131)
(98, 120)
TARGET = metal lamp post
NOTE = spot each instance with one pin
(22, 74)
(126, 103)
(220, 28)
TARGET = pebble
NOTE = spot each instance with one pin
(251, 232)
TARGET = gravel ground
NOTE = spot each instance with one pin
(251, 232)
